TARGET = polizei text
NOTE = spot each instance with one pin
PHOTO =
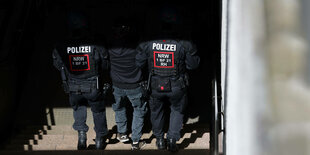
(80, 49)
(164, 47)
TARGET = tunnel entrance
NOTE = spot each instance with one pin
(39, 97)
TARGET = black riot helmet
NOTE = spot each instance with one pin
(77, 23)
(168, 22)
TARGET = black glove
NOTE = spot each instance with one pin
(145, 92)
(106, 88)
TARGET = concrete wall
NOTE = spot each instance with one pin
(246, 76)
(288, 54)
(266, 83)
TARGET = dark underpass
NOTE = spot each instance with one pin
(31, 90)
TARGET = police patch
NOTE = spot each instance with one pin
(163, 59)
(79, 62)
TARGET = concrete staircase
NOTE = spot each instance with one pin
(62, 137)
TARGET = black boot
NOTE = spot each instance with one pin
(172, 146)
(100, 143)
(160, 143)
(82, 140)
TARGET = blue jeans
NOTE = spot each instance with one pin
(140, 109)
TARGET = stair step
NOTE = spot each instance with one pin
(16, 147)
(22, 141)
(26, 137)
(69, 142)
(198, 144)
(105, 152)
(64, 137)
(43, 147)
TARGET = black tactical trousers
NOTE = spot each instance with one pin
(178, 99)
(79, 102)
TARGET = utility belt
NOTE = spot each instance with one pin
(164, 84)
(79, 86)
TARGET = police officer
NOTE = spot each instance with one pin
(81, 62)
(126, 78)
(168, 58)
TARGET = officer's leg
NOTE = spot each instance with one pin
(157, 116)
(120, 111)
(100, 121)
(99, 115)
(79, 112)
(138, 115)
(178, 102)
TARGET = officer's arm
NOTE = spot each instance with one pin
(192, 60)
(141, 56)
(57, 60)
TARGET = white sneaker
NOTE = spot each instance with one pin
(122, 137)
(137, 145)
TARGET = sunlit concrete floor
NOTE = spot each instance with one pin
(59, 137)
